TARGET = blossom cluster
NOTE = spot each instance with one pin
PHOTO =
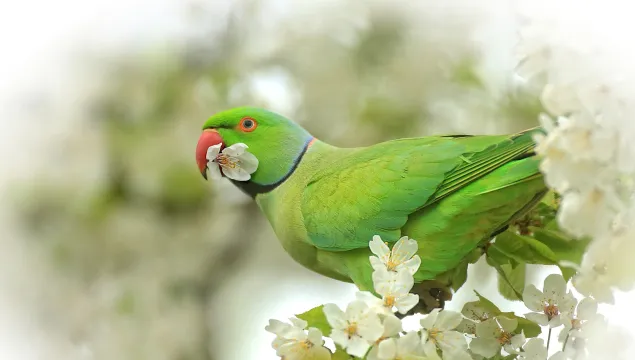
(588, 149)
(369, 329)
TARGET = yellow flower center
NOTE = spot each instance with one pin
(305, 345)
(504, 337)
(225, 161)
(391, 265)
(389, 301)
(434, 335)
(351, 330)
(551, 310)
(576, 323)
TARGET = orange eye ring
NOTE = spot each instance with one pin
(248, 124)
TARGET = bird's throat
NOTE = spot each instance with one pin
(253, 188)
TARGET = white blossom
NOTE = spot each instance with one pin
(587, 154)
(474, 314)
(535, 349)
(392, 327)
(234, 161)
(575, 324)
(494, 334)
(438, 332)
(406, 347)
(403, 255)
(394, 289)
(374, 303)
(294, 343)
(607, 265)
(356, 329)
(550, 304)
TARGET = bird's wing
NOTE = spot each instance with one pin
(373, 190)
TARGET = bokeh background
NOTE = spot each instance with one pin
(113, 246)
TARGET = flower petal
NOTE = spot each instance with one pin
(411, 265)
(370, 327)
(555, 321)
(475, 312)
(409, 343)
(567, 303)
(318, 353)
(235, 173)
(357, 346)
(535, 349)
(276, 327)
(235, 150)
(288, 348)
(214, 171)
(467, 326)
(392, 326)
(405, 303)
(452, 341)
(387, 349)
(339, 337)
(404, 283)
(278, 342)
(487, 329)
(379, 248)
(555, 287)
(315, 337)
(587, 308)
(212, 152)
(487, 347)
(384, 281)
(448, 320)
(533, 298)
(518, 341)
(248, 162)
(335, 316)
(540, 319)
(299, 323)
(377, 264)
(430, 350)
(509, 325)
(430, 319)
(355, 310)
(456, 355)
(373, 354)
(403, 250)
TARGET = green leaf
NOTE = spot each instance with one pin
(540, 248)
(459, 275)
(489, 306)
(316, 318)
(516, 277)
(563, 247)
(340, 354)
(530, 328)
(523, 249)
(503, 267)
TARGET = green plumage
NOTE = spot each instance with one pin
(451, 194)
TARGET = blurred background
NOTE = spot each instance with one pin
(113, 246)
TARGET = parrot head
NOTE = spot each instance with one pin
(276, 141)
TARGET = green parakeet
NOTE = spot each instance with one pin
(450, 193)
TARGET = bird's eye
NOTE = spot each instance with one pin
(248, 124)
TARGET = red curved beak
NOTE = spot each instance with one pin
(209, 137)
